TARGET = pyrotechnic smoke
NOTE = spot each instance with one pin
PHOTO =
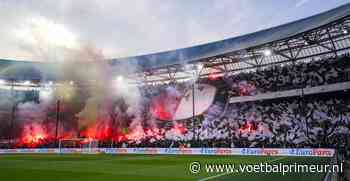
(95, 97)
(165, 104)
(87, 87)
(32, 116)
(90, 75)
(93, 76)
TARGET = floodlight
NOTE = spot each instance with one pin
(26, 82)
(199, 66)
(45, 94)
(267, 52)
(120, 78)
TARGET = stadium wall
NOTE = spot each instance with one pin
(316, 152)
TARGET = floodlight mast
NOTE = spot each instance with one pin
(195, 75)
(13, 113)
(58, 102)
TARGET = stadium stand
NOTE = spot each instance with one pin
(319, 119)
(291, 76)
(293, 96)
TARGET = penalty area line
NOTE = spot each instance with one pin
(229, 173)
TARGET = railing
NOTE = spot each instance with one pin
(293, 93)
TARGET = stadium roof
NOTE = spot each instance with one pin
(324, 34)
(195, 53)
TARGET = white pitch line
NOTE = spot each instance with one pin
(228, 173)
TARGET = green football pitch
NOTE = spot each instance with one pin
(140, 167)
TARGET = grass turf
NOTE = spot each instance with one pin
(139, 167)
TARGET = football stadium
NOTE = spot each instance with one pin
(269, 105)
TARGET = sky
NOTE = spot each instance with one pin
(34, 30)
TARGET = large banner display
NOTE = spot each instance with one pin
(317, 152)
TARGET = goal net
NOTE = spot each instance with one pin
(83, 144)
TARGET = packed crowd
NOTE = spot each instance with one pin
(290, 76)
(312, 121)
(309, 121)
